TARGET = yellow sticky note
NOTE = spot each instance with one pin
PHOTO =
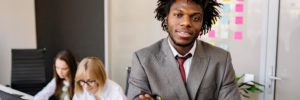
(212, 43)
(225, 1)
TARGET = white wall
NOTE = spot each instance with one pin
(132, 27)
(17, 30)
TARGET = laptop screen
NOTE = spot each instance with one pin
(7, 96)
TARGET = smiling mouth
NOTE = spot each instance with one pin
(184, 34)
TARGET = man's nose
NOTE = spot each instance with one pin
(186, 21)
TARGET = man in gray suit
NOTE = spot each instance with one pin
(181, 67)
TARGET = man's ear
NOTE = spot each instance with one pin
(165, 24)
(166, 20)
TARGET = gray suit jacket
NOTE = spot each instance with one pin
(156, 71)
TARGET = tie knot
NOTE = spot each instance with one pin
(182, 59)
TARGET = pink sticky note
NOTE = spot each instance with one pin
(238, 35)
(239, 7)
(212, 33)
(239, 20)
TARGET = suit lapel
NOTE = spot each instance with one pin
(197, 71)
(170, 68)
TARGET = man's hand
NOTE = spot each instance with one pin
(146, 97)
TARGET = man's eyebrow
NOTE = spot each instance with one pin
(193, 13)
(179, 10)
(197, 13)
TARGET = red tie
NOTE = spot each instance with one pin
(181, 61)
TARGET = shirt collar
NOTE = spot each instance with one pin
(175, 53)
(66, 83)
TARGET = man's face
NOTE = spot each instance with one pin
(184, 22)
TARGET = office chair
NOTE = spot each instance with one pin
(127, 79)
(28, 72)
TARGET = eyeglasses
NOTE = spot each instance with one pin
(88, 82)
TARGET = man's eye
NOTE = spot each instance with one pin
(196, 18)
(177, 14)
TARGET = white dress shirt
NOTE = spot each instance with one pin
(111, 91)
(49, 90)
(188, 61)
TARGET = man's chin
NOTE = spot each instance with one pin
(184, 44)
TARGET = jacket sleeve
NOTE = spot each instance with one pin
(229, 89)
(138, 80)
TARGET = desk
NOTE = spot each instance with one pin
(13, 91)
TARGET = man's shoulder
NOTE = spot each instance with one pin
(154, 48)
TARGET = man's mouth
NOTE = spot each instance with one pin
(184, 34)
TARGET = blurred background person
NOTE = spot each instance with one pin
(93, 84)
(62, 85)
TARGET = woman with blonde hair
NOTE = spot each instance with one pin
(91, 82)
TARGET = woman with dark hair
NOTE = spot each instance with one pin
(62, 85)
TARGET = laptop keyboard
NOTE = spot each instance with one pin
(7, 96)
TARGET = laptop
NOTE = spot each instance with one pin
(8, 96)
